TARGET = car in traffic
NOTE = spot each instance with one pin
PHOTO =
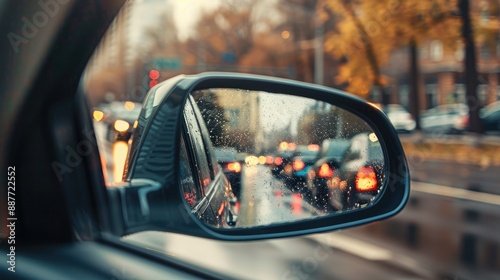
(227, 157)
(400, 117)
(119, 118)
(328, 161)
(449, 118)
(295, 171)
(282, 159)
(359, 177)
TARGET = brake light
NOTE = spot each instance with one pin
(278, 161)
(366, 180)
(234, 167)
(269, 160)
(325, 171)
(313, 147)
(465, 121)
(298, 164)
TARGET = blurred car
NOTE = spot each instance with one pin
(227, 157)
(296, 169)
(449, 118)
(400, 118)
(326, 165)
(119, 118)
(281, 160)
(490, 119)
(359, 177)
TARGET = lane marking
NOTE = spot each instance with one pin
(456, 193)
(355, 247)
(371, 252)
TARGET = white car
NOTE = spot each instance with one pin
(400, 118)
(448, 118)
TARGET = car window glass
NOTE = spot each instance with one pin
(212, 159)
(196, 141)
(191, 190)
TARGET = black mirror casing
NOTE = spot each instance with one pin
(154, 158)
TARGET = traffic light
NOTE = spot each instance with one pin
(153, 76)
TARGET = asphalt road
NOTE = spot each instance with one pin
(448, 230)
(266, 200)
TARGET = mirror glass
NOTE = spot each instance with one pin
(286, 157)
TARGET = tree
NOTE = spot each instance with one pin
(470, 64)
(369, 31)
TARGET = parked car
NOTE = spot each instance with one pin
(227, 157)
(400, 117)
(320, 175)
(449, 118)
(490, 119)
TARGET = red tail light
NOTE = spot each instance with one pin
(269, 160)
(465, 121)
(366, 180)
(325, 171)
(278, 161)
(234, 166)
(298, 164)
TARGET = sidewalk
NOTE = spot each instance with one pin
(482, 150)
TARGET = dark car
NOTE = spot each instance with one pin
(319, 176)
(359, 177)
(204, 185)
(296, 169)
(490, 119)
(119, 118)
(231, 166)
(282, 160)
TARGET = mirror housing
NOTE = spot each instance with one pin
(152, 169)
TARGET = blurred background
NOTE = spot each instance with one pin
(431, 66)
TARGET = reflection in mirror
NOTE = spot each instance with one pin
(291, 158)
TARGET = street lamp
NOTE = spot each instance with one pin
(316, 43)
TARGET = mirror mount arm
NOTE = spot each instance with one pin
(130, 204)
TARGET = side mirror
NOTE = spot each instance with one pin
(269, 195)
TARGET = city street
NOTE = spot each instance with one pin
(266, 200)
(448, 230)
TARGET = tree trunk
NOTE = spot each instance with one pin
(470, 70)
(370, 52)
(414, 77)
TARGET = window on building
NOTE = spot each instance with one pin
(436, 51)
(484, 52)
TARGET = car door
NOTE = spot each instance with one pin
(215, 202)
